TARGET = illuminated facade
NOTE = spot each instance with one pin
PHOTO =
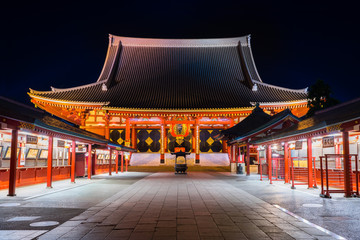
(157, 94)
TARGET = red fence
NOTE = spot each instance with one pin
(263, 169)
(332, 174)
(32, 175)
(277, 169)
(299, 172)
(104, 168)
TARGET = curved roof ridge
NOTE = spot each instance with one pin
(68, 102)
(66, 89)
(175, 109)
(303, 90)
(252, 57)
(162, 42)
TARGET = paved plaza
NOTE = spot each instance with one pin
(162, 205)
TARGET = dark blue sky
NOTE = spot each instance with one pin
(45, 45)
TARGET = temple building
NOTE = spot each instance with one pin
(158, 94)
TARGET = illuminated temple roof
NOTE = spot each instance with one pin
(176, 74)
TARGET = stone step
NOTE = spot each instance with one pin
(153, 159)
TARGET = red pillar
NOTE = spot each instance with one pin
(162, 142)
(73, 155)
(269, 158)
(193, 140)
(347, 164)
(89, 162)
(127, 133)
(117, 162)
(247, 159)
(110, 160)
(126, 164)
(286, 161)
(49, 163)
(106, 129)
(337, 160)
(197, 152)
(122, 161)
(166, 141)
(13, 162)
(309, 163)
(95, 163)
(224, 144)
(133, 137)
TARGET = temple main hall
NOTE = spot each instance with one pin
(156, 95)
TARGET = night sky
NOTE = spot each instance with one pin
(45, 45)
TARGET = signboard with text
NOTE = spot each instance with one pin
(31, 139)
(298, 145)
(328, 142)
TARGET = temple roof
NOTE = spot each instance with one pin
(176, 74)
(255, 123)
(327, 118)
(19, 112)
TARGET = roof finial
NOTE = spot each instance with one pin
(111, 39)
(254, 87)
(104, 87)
(248, 39)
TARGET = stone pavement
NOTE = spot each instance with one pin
(193, 206)
(36, 190)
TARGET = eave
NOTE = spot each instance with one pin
(263, 129)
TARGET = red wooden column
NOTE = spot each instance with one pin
(13, 162)
(347, 164)
(89, 162)
(286, 161)
(107, 121)
(127, 133)
(133, 137)
(197, 130)
(95, 163)
(126, 164)
(166, 141)
(247, 159)
(337, 160)
(224, 145)
(49, 163)
(110, 163)
(73, 156)
(162, 142)
(193, 140)
(117, 162)
(122, 161)
(269, 159)
(309, 163)
(229, 149)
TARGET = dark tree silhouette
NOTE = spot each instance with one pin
(319, 97)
